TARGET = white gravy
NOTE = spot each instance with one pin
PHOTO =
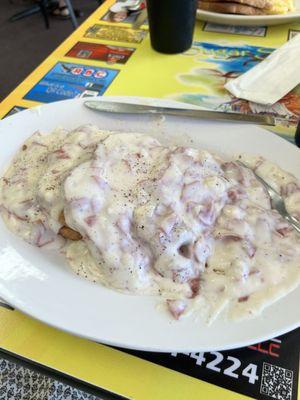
(172, 221)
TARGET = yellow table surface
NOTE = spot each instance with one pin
(197, 76)
(146, 73)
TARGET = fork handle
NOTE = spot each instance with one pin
(297, 221)
(295, 225)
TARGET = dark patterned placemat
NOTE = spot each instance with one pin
(20, 383)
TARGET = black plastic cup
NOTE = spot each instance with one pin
(171, 24)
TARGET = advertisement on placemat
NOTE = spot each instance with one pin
(259, 31)
(293, 33)
(67, 81)
(220, 63)
(14, 110)
(101, 52)
(265, 371)
(115, 33)
(124, 11)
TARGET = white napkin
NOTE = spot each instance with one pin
(271, 79)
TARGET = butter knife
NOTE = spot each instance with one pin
(125, 108)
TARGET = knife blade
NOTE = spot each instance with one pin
(126, 108)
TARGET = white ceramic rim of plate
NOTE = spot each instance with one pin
(246, 20)
(255, 330)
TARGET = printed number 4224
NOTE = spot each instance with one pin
(249, 372)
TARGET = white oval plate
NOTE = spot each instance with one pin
(41, 284)
(254, 20)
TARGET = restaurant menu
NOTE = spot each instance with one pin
(106, 56)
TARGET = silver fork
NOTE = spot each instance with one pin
(277, 202)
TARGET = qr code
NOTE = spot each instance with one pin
(276, 382)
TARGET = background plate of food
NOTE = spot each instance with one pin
(177, 255)
(249, 12)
